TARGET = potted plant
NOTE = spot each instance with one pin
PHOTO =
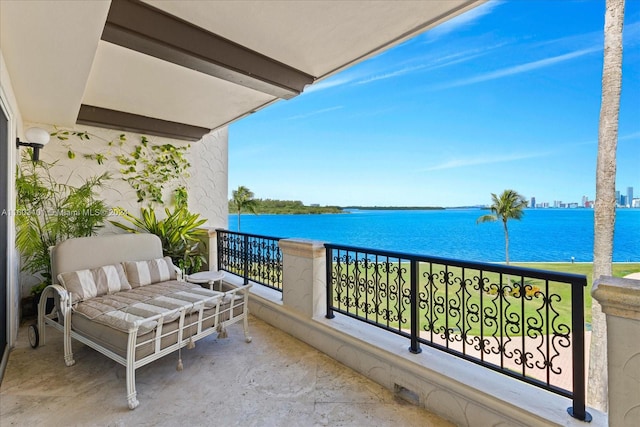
(49, 212)
(179, 233)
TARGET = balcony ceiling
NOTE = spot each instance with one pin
(182, 68)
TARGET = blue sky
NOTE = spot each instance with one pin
(505, 96)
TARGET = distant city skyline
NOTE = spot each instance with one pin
(622, 200)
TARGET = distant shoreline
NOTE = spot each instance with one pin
(396, 208)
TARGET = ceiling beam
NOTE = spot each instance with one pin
(103, 117)
(143, 28)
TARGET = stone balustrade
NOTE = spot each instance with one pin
(620, 301)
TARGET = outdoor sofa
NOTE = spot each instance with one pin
(120, 296)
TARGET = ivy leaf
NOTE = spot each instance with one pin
(123, 161)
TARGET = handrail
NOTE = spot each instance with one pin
(252, 256)
(505, 318)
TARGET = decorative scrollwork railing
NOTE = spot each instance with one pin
(525, 323)
(256, 258)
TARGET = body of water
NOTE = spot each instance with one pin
(553, 235)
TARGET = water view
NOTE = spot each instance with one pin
(551, 235)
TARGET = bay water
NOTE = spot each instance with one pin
(543, 235)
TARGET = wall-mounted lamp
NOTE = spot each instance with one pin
(37, 138)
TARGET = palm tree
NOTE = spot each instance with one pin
(243, 199)
(509, 205)
(605, 206)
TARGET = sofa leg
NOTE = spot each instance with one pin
(68, 360)
(131, 387)
(132, 401)
(247, 337)
(68, 352)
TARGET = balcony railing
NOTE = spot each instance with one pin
(527, 324)
(524, 323)
(256, 258)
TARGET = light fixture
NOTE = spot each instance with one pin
(37, 138)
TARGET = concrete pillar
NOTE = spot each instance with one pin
(304, 276)
(620, 300)
(212, 249)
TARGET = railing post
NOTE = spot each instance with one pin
(329, 268)
(219, 244)
(415, 312)
(245, 254)
(578, 409)
(303, 278)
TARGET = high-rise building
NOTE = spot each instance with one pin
(618, 198)
(629, 196)
(533, 202)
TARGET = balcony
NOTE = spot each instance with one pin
(273, 381)
(233, 381)
(285, 380)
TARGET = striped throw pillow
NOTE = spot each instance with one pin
(142, 273)
(85, 284)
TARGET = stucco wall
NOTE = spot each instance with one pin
(206, 186)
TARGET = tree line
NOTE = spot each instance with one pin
(243, 200)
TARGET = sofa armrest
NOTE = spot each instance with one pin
(62, 300)
(180, 274)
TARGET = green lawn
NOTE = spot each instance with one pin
(586, 268)
(496, 309)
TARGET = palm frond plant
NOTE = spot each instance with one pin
(243, 199)
(506, 206)
(49, 211)
(179, 233)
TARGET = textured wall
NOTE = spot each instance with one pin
(620, 301)
(206, 186)
(208, 193)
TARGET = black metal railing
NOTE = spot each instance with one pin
(525, 323)
(256, 258)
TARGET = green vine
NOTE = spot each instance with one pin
(148, 169)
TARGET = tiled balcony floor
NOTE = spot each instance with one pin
(274, 381)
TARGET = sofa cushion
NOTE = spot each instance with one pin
(142, 273)
(85, 284)
(122, 311)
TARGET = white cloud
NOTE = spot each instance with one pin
(432, 63)
(464, 20)
(314, 113)
(634, 135)
(474, 161)
(391, 74)
(326, 84)
(518, 69)
(631, 34)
